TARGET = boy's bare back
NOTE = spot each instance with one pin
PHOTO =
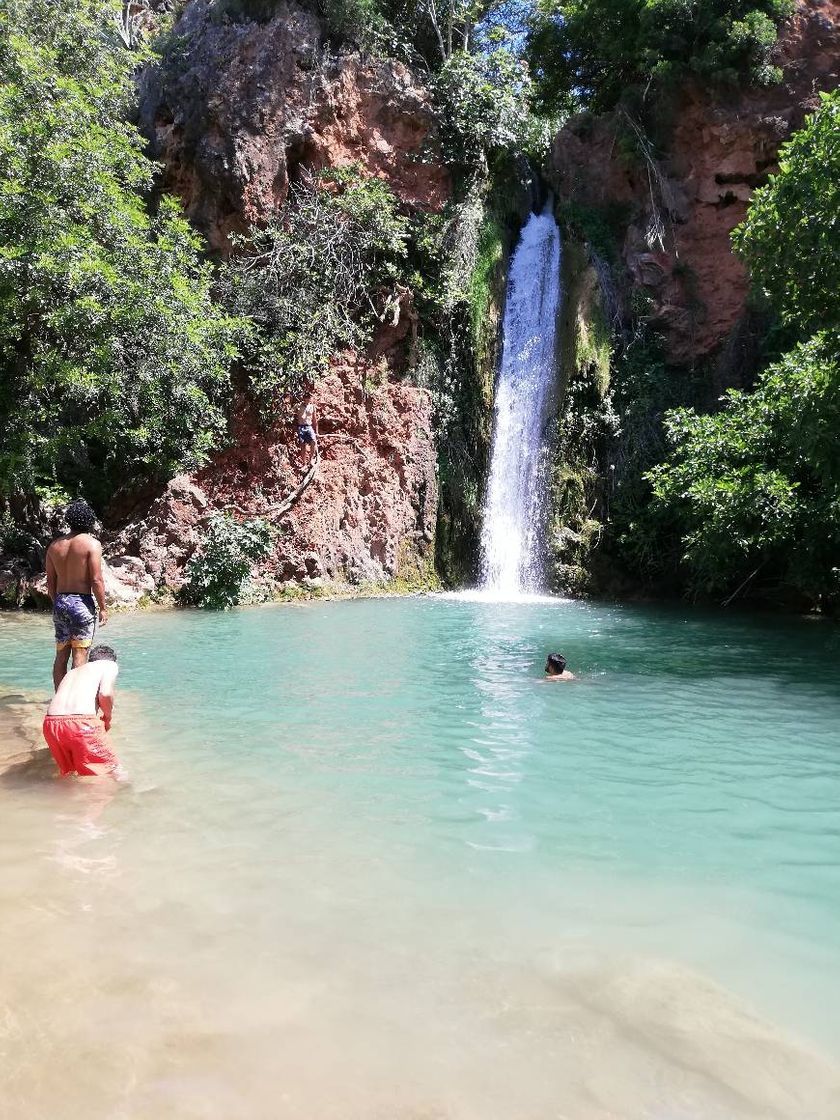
(76, 562)
(83, 690)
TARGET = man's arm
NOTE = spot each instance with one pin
(97, 583)
(52, 575)
(107, 688)
(315, 421)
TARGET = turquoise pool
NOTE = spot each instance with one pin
(371, 864)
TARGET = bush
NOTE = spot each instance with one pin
(590, 52)
(757, 485)
(483, 105)
(791, 236)
(216, 576)
(316, 280)
(113, 357)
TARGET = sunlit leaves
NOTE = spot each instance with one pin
(113, 357)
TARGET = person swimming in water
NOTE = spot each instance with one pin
(306, 419)
(555, 668)
(78, 719)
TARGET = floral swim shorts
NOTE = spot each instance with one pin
(74, 616)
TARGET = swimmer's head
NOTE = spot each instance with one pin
(80, 517)
(102, 653)
(555, 664)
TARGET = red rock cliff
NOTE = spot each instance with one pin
(682, 205)
(238, 109)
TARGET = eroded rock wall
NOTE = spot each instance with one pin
(238, 108)
(236, 111)
(675, 198)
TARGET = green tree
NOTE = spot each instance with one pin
(791, 236)
(113, 356)
(483, 102)
(591, 52)
(756, 486)
(316, 280)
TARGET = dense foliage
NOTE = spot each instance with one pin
(472, 51)
(113, 356)
(791, 236)
(216, 577)
(591, 52)
(756, 486)
(316, 280)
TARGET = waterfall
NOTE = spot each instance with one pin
(513, 510)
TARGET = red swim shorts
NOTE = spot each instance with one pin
(77, 743)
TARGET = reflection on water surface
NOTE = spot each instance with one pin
(371, 865)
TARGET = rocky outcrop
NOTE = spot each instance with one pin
(369, 515)
(238, 108)
(675, 205)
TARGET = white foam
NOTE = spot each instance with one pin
(492, 596)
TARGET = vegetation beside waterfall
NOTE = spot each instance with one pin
(592, 54)
(757, 485)
(115, 355)
(121, 336)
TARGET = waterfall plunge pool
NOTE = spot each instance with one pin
(371, 865)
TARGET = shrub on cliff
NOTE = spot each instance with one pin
(316, 280)
(791, 236)
(216, 577)
(591, 52)
(483, 102)
(113, 357)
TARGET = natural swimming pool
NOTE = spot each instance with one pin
(371, 865)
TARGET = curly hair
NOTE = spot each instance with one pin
(80, 517)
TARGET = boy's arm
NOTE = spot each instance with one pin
(52, 575)
(97, 583)
(107, 688)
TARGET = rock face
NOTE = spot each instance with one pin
(369, 514)
(681, 205)
(238, 109)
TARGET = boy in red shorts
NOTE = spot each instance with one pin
(79, 717)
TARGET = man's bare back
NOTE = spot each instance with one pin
(74, 581)
(75, 563)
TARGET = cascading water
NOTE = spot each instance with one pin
(510, 538)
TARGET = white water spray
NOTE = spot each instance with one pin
(510, 538)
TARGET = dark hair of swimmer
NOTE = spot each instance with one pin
(555, 664)
(102, 653)
(80, 517)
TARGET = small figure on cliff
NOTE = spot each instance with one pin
(306, 419)
(78, 719)
(555, 668)
(74, 580)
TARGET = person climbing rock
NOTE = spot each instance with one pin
(306, 419)
(555, 668)
(74, 581)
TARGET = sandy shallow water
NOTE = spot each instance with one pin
(424, 887)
